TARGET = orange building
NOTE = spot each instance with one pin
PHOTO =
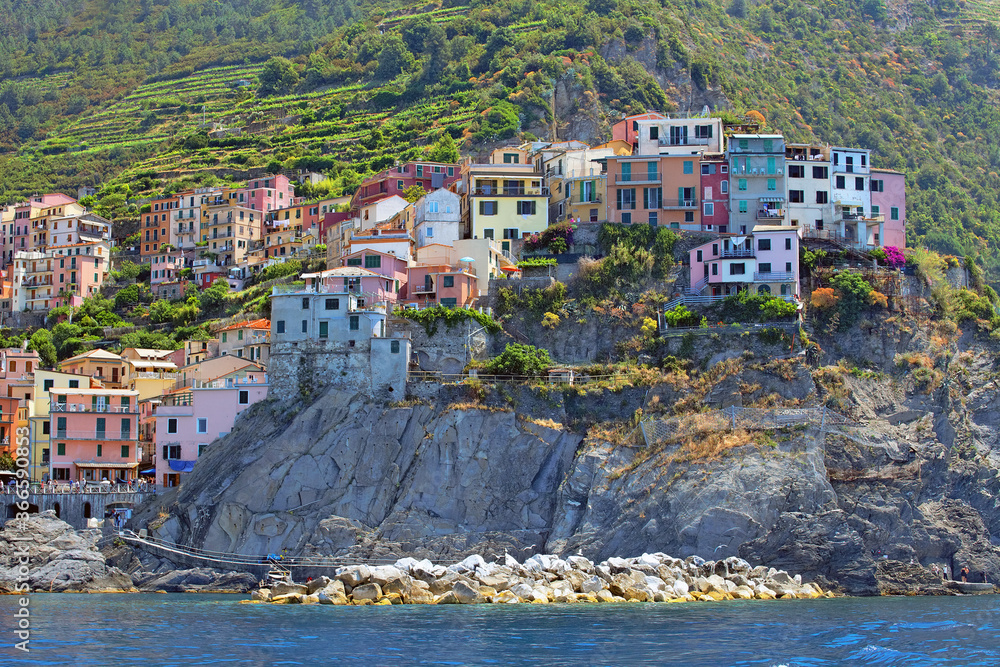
(94, 434)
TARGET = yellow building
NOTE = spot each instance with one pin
(106, 367)
(504, 201)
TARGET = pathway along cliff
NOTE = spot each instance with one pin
(863, 512)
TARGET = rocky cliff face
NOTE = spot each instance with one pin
(916, 479)
(56, 558)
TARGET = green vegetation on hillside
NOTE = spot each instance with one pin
(100, 90)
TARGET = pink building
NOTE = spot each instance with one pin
(389, 265)
(715, 193)
(888, 190)
(94, 434)
(441, 284)
(190, 419)
(370, 287)
(430, 176)
(268, 194)
(766, 261)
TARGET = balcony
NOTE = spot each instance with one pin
(683, 141)
(678, 204)
(103, 409)
(773, 277)
(638, 178)
(94, 434)
(736, 253)
(511, 192)
(770, 214)
(424, 289)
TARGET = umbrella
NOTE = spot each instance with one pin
(510, 269)
(467, 259)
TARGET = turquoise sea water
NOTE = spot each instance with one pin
(155, 630)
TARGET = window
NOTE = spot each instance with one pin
(324, 329)
(626, 199)
(769, 147)
(333, 304)
(430, 232)
(487, 208)
(737, 269)
(651, 197)
(822, 197)
(171, 451)
(875, 211)
(394, 347)
(788, 265)
(764, 267)
(709, 210)
(354, 261)
(239, 335)
(400, 185)
(703, 131)
(449, 303)
(724, 187)
(894, 213)
(841, 183)
(305, 303)
(448, 281)
(202, 425)
(878, 185)
(741, 185)
(432, 207)
(654, 132)
(511, 158)
(699, 256)
(225, 336)
(244, 397)
(487, 233)
(704, 169)
(772, 184)
(796, 196)
(280, 326)
(764, 244)
(511, 233)
(715, 269)
(796, 171)
(100, 450)
(47, 384)
(305, 326)
(373, 261)
(724, 169)
(744, 144)
(61, 449)
(651, 171)
(172, 425)
(526, 208)
(626, 218)
(788, 244)
(45, 428)
(743, 206)
(688, 166)
(355, 324)
(859, 183)
(125, 449)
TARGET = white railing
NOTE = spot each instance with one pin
(104, 409)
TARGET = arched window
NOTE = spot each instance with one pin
(57, 509)
(764, 289)
(86, 510)
(784, 290)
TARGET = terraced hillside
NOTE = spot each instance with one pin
(103, 90)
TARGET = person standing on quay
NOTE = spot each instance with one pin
(965, 574)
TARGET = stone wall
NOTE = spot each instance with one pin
(449, 349)
(75, 508)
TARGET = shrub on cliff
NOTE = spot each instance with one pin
(517, 359)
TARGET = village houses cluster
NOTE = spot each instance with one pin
(104, 416)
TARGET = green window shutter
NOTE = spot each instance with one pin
(93, 403)
(645, 197)
(61, 449)
(680, 196)
(125, 451)
(770, 165)
(618, 194)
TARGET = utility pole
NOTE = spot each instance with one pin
(554, 124)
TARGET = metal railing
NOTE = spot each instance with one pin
(93, 435)
(773, 276)
(770, 214)
(103, 409)
(638, 178)
(737, 253)
(687, 202)
(511, 192)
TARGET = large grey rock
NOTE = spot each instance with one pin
(367, 592)
(466, 594)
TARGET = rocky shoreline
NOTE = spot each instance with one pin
(543, 579)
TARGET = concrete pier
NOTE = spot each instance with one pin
(76, 508)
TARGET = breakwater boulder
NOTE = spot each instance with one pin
(545, 578)
(49, 555)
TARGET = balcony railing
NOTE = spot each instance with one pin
(683, 141)
(770, 214)
(773, 276)
(689, 202)
(511, 192)
(94, 435)
(424, 289)
(737, 252)
(103, 409)
(638, 178)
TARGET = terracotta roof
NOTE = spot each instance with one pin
(344, 272)
(103, 355)
(249, 324)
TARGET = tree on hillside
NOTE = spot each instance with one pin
(214, 296)
(393, 59)
(278, 76)
(414, 192)
(436, 48)
(41, 342)
(444, 150)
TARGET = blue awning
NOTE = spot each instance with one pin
(151, 471)
(181, 466)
